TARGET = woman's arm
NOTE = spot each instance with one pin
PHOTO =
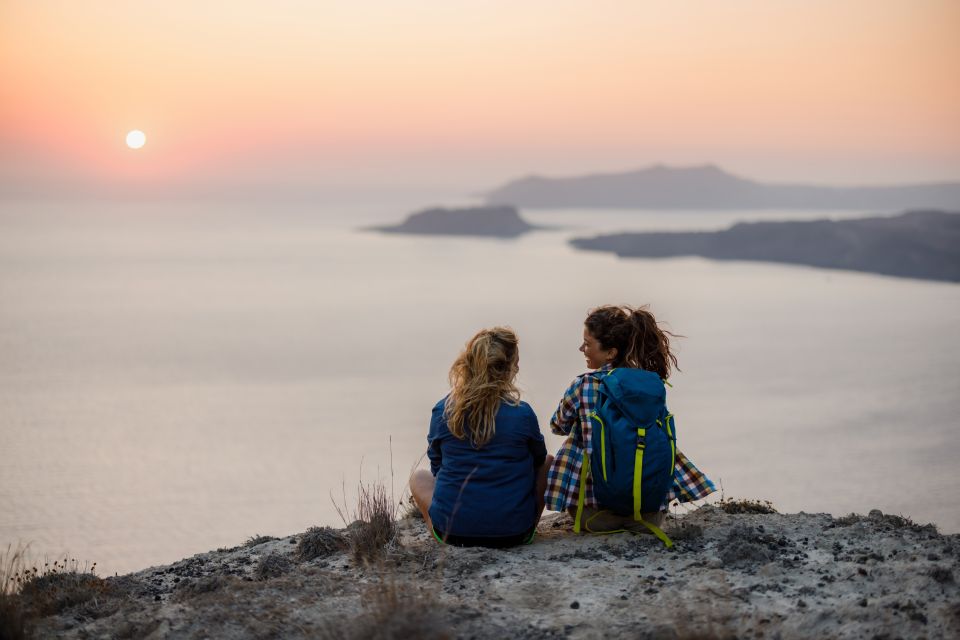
(565, 417)
(538, 448)
(541, 461)
(433, 440)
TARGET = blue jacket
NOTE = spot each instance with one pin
(487, 492)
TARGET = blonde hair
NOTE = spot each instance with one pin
(481, 377)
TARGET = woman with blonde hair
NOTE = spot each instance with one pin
(488, 460)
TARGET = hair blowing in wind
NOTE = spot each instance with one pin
(636, 335)
(481, 378)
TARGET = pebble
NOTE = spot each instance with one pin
(574, 605)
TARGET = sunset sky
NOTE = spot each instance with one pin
(466, 94)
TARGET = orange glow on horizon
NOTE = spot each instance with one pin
(300, 87)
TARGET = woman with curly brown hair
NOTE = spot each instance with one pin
(613, 337)
(488, 460)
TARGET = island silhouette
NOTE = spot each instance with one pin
(497, 221)
(709, 187)
(914, 244)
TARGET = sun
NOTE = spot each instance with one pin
(136, 139)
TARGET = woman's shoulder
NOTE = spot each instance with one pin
(587, 377)
(596, 374)
(517, 408)
(516, 415)
(525, 408)
(438, 413)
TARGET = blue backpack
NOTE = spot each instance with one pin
(634, 444)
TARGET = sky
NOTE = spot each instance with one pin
(307, 96)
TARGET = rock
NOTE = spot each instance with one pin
(731, 581)
(741, 550)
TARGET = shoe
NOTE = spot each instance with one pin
(655, 519)
(602, 521)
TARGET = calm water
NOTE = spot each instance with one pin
(179, 377)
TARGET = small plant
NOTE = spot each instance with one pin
(258, 539)
(59, 586)
(401, 610)
(411, 510)
(886, 521)
(30, 592)
(190, 588)
(394, 610)
(746, 506)
(13, 619)
(317, 542)
(372, 525)
(848, 520)
(272, 565)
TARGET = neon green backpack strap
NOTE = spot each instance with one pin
(638, 494)
(638, 475)
(581, 498)
(657, 531)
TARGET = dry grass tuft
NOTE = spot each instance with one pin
(54, 593)
(258, 539)
(400, 610)
(272, 565)
(191, 588)
(746, 506)
(55, 588)
(887, 521)
(319, 542)
(411, 510)
(372, 526)
(395, 610)
(848, 520)
(13, 618)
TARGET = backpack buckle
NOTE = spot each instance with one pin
(641, 438)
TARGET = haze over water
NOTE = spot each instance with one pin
(179, 377)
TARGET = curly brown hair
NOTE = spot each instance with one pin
(481, 377)
(636, 335)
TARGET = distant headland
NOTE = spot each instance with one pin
(491, 221)
(915, 244)
(709, 187)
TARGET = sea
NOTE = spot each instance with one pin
(178, 376)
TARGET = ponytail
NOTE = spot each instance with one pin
(636, 335)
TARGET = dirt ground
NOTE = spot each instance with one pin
(730, 575)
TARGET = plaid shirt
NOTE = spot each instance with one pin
(580, 399)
